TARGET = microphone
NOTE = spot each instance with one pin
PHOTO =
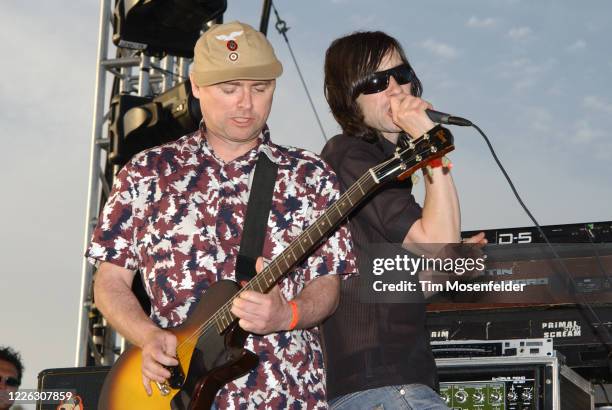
(443, 118)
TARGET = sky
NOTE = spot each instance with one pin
(535, 76)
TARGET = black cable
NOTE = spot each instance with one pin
(281, 27)
(600, 329)
(168, 71)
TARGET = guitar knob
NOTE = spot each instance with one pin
(164, 389)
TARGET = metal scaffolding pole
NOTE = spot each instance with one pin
(137, 74)
(94, 183)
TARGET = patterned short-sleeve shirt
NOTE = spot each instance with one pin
(176, 214)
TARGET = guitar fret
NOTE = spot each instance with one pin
(327, 217)
(280, 271)
(305, 241)
(288, 259)
(258, 283)
(318, 228)
(269, 279)
(360, 187)
(292, 251)
(219, 327)
(273, 277)
(221, 320)
(355, 200)
(227, 315)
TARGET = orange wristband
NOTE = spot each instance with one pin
(295, 317)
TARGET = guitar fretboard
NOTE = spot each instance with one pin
(302, 246)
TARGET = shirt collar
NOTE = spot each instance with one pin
(264, 145)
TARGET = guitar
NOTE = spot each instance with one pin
(210, 346)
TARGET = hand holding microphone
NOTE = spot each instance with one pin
(408, 113)
(416, 116)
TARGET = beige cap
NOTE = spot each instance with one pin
(233, 51)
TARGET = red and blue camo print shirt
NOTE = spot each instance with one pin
(176, 213)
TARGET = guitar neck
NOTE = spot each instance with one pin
(301, 247)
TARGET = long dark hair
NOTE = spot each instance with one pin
(348, 61)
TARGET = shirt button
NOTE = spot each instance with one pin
(402, 392)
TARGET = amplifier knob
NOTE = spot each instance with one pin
(512, 396)
(478, 397)
(526, 395)
(461, 396)
(495, 397)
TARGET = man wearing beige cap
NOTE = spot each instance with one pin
(176, 214)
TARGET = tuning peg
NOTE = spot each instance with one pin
(429, 171)
(414, 178)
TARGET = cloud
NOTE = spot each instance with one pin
(577, 46)
(597, 103)
(584, 132)
(475, 22)
(518, 33)
(439, 49)
(523, 72)
(540, 120)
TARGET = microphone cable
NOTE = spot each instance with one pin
(599, 329)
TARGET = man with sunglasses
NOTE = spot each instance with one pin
(11, 371)
(378, 354)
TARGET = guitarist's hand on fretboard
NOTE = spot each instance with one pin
(262, 313)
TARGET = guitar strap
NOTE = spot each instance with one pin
(256, 220)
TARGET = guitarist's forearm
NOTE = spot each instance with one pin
(121, 308)
(317, 300)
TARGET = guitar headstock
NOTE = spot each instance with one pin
(410, 155)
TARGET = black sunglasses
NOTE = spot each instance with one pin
(10, 381)
(379, 81)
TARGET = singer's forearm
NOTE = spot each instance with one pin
(440, 221)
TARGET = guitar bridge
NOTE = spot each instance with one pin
(177, 377)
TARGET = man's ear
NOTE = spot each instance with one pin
(195, 90)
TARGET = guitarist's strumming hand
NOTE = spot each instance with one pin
(262, 313)
(158, 351)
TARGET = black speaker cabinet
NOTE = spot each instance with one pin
(84, 382)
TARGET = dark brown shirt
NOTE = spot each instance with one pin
(370, 345)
